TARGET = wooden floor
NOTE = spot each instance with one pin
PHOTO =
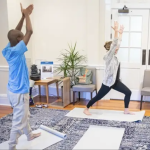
(103, 104)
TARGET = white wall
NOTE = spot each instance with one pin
(3, 28)
(64, 22)
(14, 15)
(60, 23)
(3, 42)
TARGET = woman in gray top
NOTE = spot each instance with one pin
(112, 71)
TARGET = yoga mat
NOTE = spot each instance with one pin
(99, 137)
(107, 115)
(48, 137)
(62, 135)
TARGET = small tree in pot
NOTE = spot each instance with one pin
(71, 62)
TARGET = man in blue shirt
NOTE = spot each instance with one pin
(18, 84)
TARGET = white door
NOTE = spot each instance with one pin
(133, 50)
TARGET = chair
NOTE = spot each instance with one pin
(86, 88)
(146, 86)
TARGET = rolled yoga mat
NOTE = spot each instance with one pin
(57, 133)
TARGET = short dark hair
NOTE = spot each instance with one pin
(13, 36)
(10, 35)
(107, 45)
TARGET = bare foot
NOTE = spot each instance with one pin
(129, 113)
(86, 112)
(35, 135)
(126, 111)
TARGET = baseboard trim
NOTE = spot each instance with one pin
(4, 68)
(135, 96)
(98, 67)
(130, 100)
(5, 102)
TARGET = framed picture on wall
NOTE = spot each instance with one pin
(46, 69)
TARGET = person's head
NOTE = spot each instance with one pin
(108, 45)
(15, 36)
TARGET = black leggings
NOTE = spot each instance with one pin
(118, 86)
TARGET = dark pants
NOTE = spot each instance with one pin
(118, 86)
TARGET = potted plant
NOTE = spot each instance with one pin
(71, 61)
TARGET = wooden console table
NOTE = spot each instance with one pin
(65, 93)
(46, 83)
(65, 90)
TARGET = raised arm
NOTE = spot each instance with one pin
(113, 46)
(29, 29)
(121, 32)
(116, 25)
(20, 24)
(120, 36)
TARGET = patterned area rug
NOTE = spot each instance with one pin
(136, 136)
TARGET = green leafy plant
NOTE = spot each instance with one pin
(71, 61)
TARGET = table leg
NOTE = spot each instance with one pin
(47, 94)
(39, 92)
(62, 93)
(74, 97)
(57, 89)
